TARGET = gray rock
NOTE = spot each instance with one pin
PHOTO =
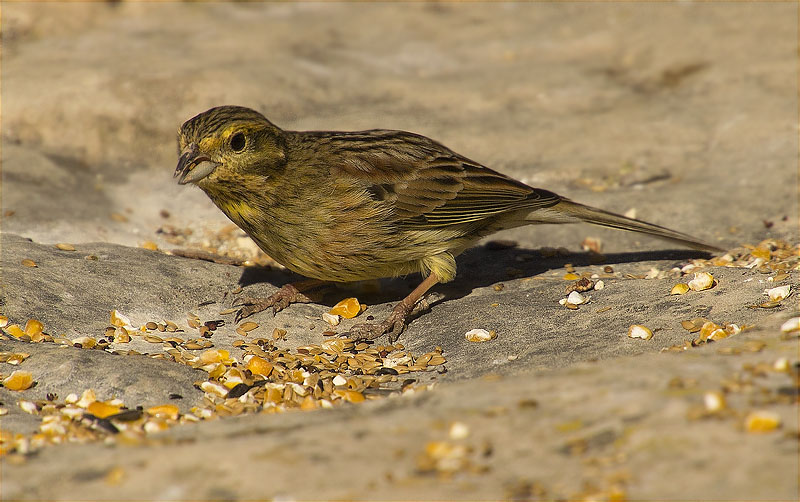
(683, 112)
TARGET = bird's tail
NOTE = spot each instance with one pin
(567, 211)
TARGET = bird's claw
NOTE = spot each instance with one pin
(279, 300)
(393, 326)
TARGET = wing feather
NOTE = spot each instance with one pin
(428, 184)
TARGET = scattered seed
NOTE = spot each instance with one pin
(714, 401)
(65, 247)
(679, 289)
(760, 421)
(640, 331)
(102, 409)
(779, 293)
(701, 281)
(119, 319)
(248, 326)
(791, 325)
(347, 308)
(164, 410)
(18, 380)
(332, 319)
(479, 335)
(29, 263)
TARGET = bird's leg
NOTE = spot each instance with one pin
(289, 293)
(396, 322)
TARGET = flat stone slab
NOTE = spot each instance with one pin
(678, 113)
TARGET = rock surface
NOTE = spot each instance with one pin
(677, 111)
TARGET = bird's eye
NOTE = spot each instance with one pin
(237, 142)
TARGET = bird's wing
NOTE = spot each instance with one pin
(427, 184)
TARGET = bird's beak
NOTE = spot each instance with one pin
(193, 166)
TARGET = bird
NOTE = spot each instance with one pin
(338, 206)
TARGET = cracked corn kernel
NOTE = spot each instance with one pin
(775, 294)
(215, 356)
(157, 425)
(259, 366)
(712, 331)
(214, 388)
(347, 308)
(701, 281)
(781, 365)
(29, 407)
(331, 319)
(576, 298)
(16, 358)
(714, 401)
(119, 319)
(479, 335)
(351, 396)
(679, 289)
(15, 331)
(102, 409)
(86, 342)
(164, 411)
(18, 380)
(87, 398)
(762, 421)
(309, 403)
(790, 325)
(458, 430)
(640, 331)
(33, 327)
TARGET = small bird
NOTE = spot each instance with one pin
(350, 206)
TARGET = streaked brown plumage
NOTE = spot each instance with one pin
(347, 206)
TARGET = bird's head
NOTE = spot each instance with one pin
(227, 143)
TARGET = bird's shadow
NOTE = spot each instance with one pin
(478, 267)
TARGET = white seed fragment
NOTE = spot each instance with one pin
(733, 329)
(214, 388)
(28, 407)
(639, 331)
(701, 281)
(599, 285)
(576, 298)
(458, 430)
(119, 319)
(714, 401)
(792, 324)
(332, 319)
(653, 273)
(479, 335)
(781, 365)
(339, 380)
(779, 293)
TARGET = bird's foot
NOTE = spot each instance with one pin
(392, 326)
(278, 301)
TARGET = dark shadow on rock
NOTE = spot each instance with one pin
(478, 267)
